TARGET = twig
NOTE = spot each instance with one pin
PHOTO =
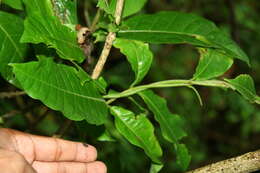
(103, 57)
(246, 163)
(11, 94)
(109, 41)
(119, 10)
(232, 20)
(86, 14)
(95, 21)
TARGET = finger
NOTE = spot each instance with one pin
(11, 161)
(50, 149)
(69, 167)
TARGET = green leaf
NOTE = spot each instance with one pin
(138, 55)
(138, 130)
(244, 84)
(16, 4)
(66, 10)
(106, 137)
(212, 64)
(176, 27)
(171, 124)
(183, 156)
(11, 51)
(59, 87)
(42, 26)
(155, 168)
(130, 7)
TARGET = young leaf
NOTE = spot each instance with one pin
(16, 4)
(138, 130)
(138, 55)
(11, 29)
(244, 84)
(42, 26)
(176, 27)
(155, 168)
(59, 87)
(66, 11)
(212, 64)
(183, 157)
(171, 124)
(130, 6)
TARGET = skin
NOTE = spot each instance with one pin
(25, 153)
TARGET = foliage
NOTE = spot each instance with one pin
(40, 55)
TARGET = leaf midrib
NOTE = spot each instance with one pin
(139, 139)
(161, 31)
(162, 117)
(11, 40)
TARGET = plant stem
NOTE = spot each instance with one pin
(104, 54)
(11, 94)
(119, 10)
(95, 21)
(109, 41)
(170, 83)
(246, 163)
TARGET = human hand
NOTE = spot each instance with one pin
(25, 153)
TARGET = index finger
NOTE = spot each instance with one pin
(49, 149)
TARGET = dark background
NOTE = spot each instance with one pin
(225, 126)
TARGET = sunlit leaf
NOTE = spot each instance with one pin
(176, 27)
(130, 6)
(212, 64)
(11, 50)
(42, 26)
(138, 130)
(59, 87)
(138, 55)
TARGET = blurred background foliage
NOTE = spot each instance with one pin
(225, 126)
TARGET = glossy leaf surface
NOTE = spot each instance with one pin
(138, 130)
(138, 55)
(11, 50)
(42, 26)
(59, 87)
(176, 27)
(212, 64)
(130, 6)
